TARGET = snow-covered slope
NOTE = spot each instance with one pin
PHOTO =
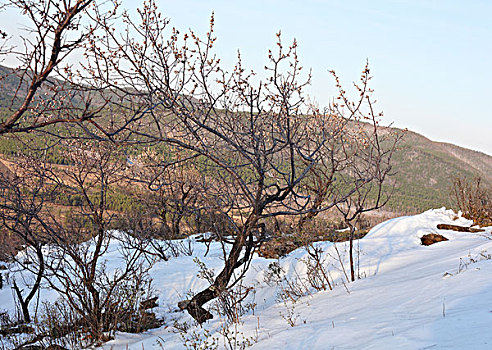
(409, 296)
(413, 297)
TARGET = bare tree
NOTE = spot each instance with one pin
(76, 268)
(356, 164)
(23, 196)
(367, 173)
(258, 141)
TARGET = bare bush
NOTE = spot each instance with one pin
(317, 274)
(474, 199)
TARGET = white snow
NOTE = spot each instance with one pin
(408, 297)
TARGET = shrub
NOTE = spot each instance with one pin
(474, 199)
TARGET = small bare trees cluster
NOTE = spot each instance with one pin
(178, 193)
(230, 149)
(68, 245)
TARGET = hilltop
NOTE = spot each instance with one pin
(426, 169)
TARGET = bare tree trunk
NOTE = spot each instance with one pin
(351, 252)
(233, 261)
(24, 302)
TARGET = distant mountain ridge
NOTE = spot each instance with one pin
(424, 169)
(478, 160)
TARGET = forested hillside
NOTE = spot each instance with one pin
(424, 169)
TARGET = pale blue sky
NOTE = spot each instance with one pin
(431, 60)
